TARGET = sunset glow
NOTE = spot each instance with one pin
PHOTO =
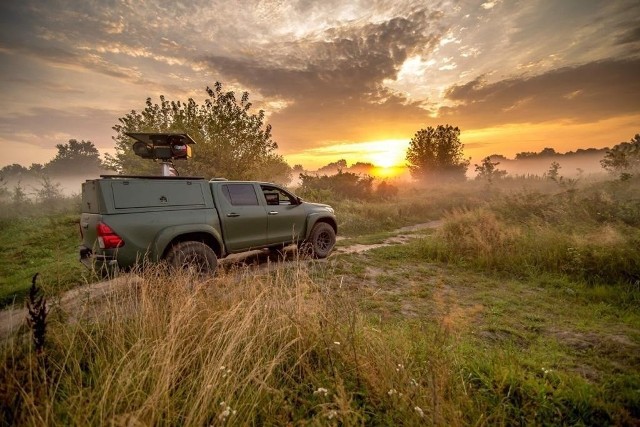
(337, 80)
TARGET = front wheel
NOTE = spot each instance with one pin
(192, 254)
(321, 240)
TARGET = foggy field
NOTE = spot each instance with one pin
(521, 306)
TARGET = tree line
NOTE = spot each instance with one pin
(236, 143)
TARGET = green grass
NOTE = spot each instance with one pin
(46, 245)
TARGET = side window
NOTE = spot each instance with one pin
(276, 196)
(240, 194)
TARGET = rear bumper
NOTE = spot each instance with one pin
(97, 262)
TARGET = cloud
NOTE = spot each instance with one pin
(337, 78)
(45, 127)
(589, 92)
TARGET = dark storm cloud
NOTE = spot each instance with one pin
(590, 92)
(339, 79)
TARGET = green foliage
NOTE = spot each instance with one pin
(231, 141)
(436, 154)
(624, 158)
(344, 185)
(487, 170)
(74, 158)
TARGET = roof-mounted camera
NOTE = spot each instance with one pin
(165, 147)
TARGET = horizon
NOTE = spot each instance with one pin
(337, 81)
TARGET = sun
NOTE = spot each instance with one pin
(385, 154)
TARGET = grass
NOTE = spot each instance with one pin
(523, 308)
(39, 244)
(303, 343)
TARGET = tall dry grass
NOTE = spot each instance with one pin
(243, 348)
(589, 235)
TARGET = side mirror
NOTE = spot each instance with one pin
(299, 200)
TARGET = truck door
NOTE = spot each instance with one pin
(243, 218)
(286, 217)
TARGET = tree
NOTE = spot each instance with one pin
(74, 158)
(230, 141)
(342, 184)
(334, 167)
(624, 158)
(14, 171)
(436, 153)
(487, 170)
(553, 173)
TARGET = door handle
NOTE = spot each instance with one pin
(273, 213)
(233, 215)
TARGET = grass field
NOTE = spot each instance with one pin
(523, 308)
(40, 244)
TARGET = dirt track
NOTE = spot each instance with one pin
(14, 318)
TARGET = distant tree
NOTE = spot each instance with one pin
(342, 185)
(624, 158)
(386, 191)
(487, 170)
(19, 197)
(75, 158)
(49, 191)
(4, 192)
(14, 171)
(230, 141)
(36, 168)
(361, 167)
(297, 169)
(545, 152)
(334, 167)
(553, 173)
(437, 153)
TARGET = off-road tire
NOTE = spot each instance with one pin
(192, 254)
(320, 242)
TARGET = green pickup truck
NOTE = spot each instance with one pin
(190, 221)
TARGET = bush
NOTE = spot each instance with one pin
(344, 185)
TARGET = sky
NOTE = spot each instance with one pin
(347, 80)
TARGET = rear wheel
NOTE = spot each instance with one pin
(321, 240)
(192, 254)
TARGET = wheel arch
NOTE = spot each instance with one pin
(173, 235)
(312, 220)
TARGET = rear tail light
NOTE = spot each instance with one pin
(107, 238)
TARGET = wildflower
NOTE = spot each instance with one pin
(226, 412)
(332, 414)
(392, 392)
(225, 371)
(321, 390)
(546, 371)
(414, 382)
(336, 342)
(419, 411)
(400, 366)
